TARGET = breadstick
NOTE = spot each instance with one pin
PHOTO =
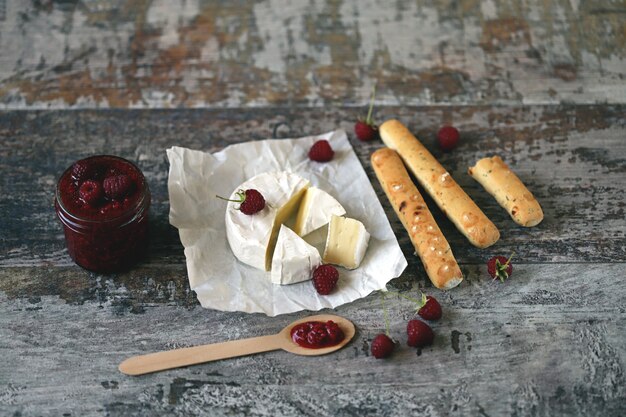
(430, 244)
(449, 196)
(510, 192)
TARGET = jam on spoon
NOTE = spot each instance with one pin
(317, 334)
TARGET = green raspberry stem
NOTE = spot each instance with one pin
(509, 260)
(420, 303)
(501, 273)
(240, 193)
(368, 120)
(385, 315)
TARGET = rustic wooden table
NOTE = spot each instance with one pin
(539, 82)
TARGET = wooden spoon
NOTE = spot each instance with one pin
(159, 361)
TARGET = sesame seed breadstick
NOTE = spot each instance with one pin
(510, 192)
(449, 196)
(430, 244)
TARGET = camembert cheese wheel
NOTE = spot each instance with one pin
(315, 211)
(252, 237)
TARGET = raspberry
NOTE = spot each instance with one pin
(90, 192)
(253, 202)
(420, 334)
(250, 201)
(335, 334)
(325, 278)
(321, 151)
(117, 187)
(499, 267)
(382, 346)
(86, 169)
(365, 131)
(82, 170)
(448, 138)
(431, 310)
(300, 333)
(317, 336)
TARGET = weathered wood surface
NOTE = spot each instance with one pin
(224, 53)
(572, 158)
(538, 346)
(548, 342)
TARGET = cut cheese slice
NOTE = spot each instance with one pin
(315, 211)
(294, 260)
(346, 242)
(252, 237)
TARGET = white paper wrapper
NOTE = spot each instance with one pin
(222, 282)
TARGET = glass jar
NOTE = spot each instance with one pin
(106, 231)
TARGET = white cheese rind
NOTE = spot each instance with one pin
(315, 211)
(252, 237)
(346, 242)
(294, 260)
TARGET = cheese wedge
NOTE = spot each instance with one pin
(346, 242)
(252, 237)
(294, 260)
(315, 211)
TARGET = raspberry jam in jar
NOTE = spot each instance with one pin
(317, 334)
(103, 203)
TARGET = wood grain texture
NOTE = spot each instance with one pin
(222, 53)
(542, 343)
(548, 342)
(571, 158)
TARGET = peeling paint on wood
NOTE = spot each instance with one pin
(218, 53)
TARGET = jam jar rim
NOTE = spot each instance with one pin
(133, 209)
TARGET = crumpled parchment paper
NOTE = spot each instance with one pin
(222, 282)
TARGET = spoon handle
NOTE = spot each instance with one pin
(159, 361)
